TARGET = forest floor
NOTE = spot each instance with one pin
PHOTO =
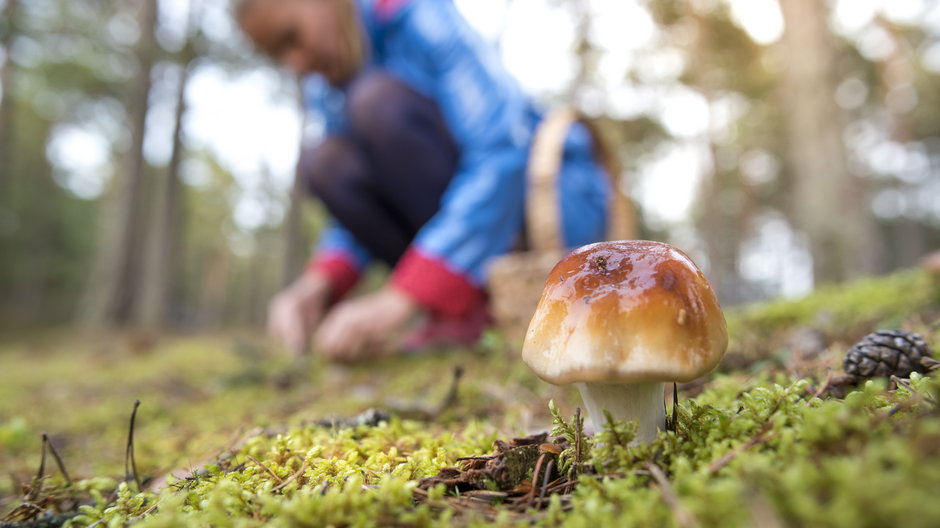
(231, 432)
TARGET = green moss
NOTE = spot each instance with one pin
(815, 463)
(754, 447)
(839, 312)
(772, 452)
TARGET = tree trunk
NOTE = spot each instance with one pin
(214, 289)
(111, 292)
(8, 203)
(897, 75)
(163, 244)
(724, 200)
(6, 100)
(584, 51)
(827, 199)
(256, 287)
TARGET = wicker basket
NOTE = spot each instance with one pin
(516, 279)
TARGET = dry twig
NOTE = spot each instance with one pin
(294, 476)
(823, 388)
(548, 474)
(266, 468)
(682, 515)
(130, 463)
(757, 439)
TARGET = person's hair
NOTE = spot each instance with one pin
(348, 21)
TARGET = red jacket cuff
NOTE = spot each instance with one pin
(339, 268)
(433, 285)
(387, 8)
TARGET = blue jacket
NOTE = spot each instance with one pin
(428, 45)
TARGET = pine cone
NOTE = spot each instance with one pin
(885, 353)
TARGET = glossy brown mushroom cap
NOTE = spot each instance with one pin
(625, 311)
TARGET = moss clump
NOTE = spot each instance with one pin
(773, 453)
(765, 445)
(839, 312)
(308, 476)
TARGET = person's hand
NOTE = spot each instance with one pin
(367, 326)
(295, 311)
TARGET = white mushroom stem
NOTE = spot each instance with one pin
(641, 402)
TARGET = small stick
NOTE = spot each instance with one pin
(292, 477)
(556, 483)
(58, 459)
(683, 517)
(34, 492)
(130, 463)
(548, 474)
(530, 496)
(822, 389)
(451, 396)
(561, 485)
(929, 363)
(264, 467)
(906, 383)
(758, 438)
(578, 433)
(482, 457)
(894, 410)
(29, 506)
(146, 512)
(613, 428)
(674, 422)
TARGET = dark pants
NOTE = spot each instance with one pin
(383, 179)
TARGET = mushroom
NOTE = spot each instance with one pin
(620, 319)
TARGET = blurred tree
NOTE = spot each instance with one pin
(850, 114)
(162, 247)
(295, 243)
(724, 67)
(8, 18)
(43, 227)
(586, 54)
(8, 216)
(111, 291)
(828, 201)
(207, 243)
(214, 288)
(896, 92)
(717, 55)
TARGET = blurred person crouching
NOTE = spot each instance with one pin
(422, 167)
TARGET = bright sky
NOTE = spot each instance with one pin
(251, 126)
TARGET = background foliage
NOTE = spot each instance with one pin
(805, 163)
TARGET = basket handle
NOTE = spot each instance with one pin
(543, 212)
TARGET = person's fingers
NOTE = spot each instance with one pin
(274, 322)
(335, 336)
(287, 323)
(324, 338)
(294, 331)
(341, 335)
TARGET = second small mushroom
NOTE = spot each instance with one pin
(620, 319)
